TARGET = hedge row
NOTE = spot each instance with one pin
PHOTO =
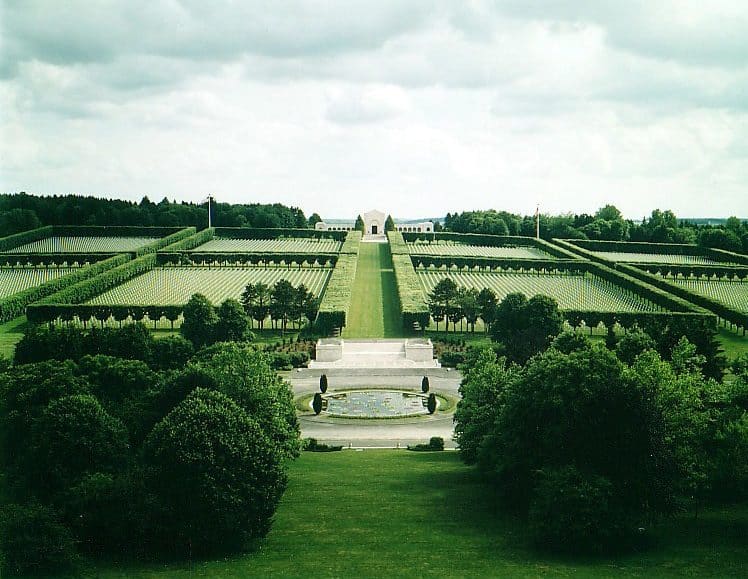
(628, 319)
(727, 256)
(491, 263)
(254, 258)
(165, 241)
(737, 317)
(12, 241)
(275, 233)
(716, 271)
(637, 247)
(51, 259)
(191, 242)
(336, 301)
(491, 241)
(351, 242)
(89, 288)
(657, 288)
(13, 306)
(113, 231)
(624, 276)
(413, 306)
(102, 313)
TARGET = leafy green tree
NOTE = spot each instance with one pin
(569, 341)
(73, 436)
(576, 511)
(359, 225)
(389, 224)
(481, 390)
(170, 353)
(256, 302)
(34, 541)
(200, 321)
(283, 296)
(487, 302)
(26, 391)
(635, 342)
(442, 298)
(314, 218)
(246, 377)
(469, 306)
(216, 473)
(551, 417)
(232, 325)
(526, 327)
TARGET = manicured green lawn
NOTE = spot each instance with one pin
(734, 343)
(402, 514)
(375, 312)
(10, 334)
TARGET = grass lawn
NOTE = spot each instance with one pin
(733, 343)
(375, 312)
(10, 334)
(402, 514)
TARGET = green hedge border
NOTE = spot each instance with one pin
(16, 240)
(14, 305)
(336, 301)
(413, 307)
(276, 233)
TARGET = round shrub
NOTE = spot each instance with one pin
(32, 541)
(323, 383)
(215, 473)
(425, 384)
(436, 443)
(575, 512)
(317, 403)
(431, 403)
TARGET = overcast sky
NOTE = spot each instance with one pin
(415, 108)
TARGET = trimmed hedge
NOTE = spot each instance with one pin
(491, 241)
(191, 242)
(12, 241)
(243, 258)
(275, 233)
(351, 241)
(165, 241)
(710, 272)
(413, 306)
(720, 255)
(336, 301)
(114, 231)
(13, 306)
(51, 259)
(504, 263)
(734, 316)
(48, 308)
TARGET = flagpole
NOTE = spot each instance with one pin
(537, 221)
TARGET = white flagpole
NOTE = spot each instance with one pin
(537, 221)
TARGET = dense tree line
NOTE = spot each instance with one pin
(116, 451)
(20, 212)
(592, 442)
(606, 224)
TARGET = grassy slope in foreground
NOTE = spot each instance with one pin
(374, 309)
(401, 514)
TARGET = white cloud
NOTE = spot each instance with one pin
(335, 107)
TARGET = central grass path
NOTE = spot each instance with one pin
(403, 514)
(375, 312)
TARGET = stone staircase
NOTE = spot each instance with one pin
(340, 353)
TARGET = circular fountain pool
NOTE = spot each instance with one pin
(374, 404)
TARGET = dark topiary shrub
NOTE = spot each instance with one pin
(317, 403)
(436, 443)
(425, 384)
(431, 403)
(323, 383)
(311, 445)
(33, 541)
(299, 359)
